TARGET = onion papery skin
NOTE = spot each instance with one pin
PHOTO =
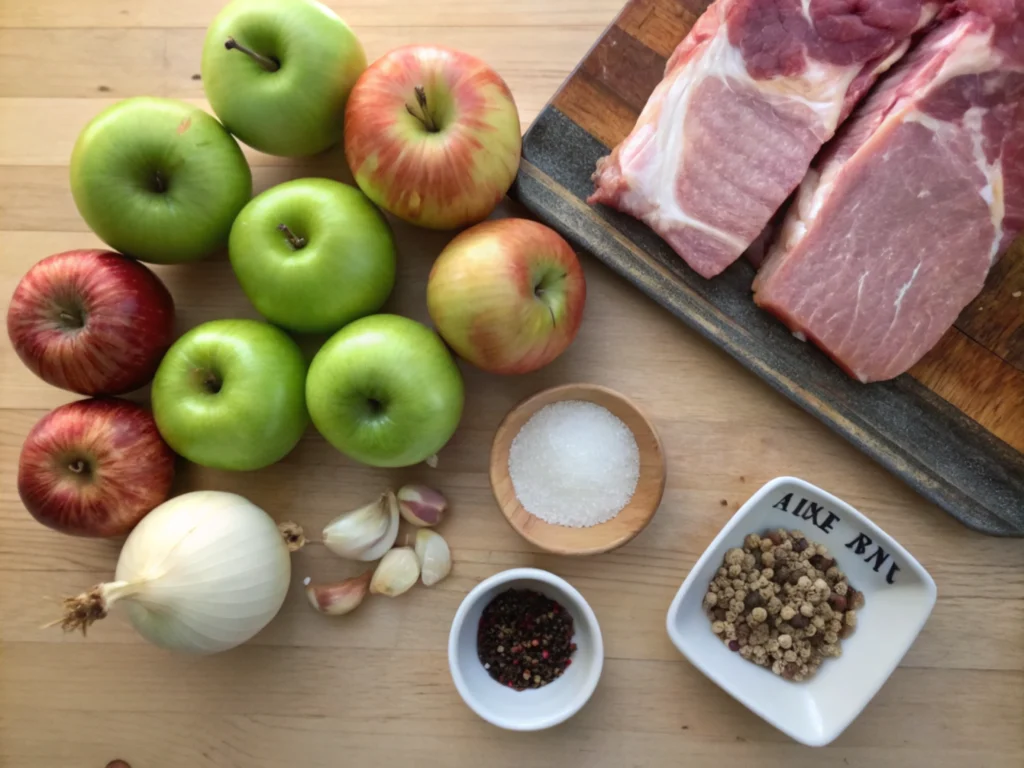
(202, 573)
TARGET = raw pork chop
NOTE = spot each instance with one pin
(748, 99)
(893, 233)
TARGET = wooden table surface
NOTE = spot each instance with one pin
(373, 689)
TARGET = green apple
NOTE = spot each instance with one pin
(159, 180)
(278, 73)
(313, 255)
(385, 391)
(230, 394)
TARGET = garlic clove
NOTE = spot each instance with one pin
(378, 550)
(341, 598)
(435, 558)
(431, 461)
(396, 573)
(420, 505)
(354, 533)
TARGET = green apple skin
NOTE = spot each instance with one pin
(385, 391)
(299, 108)
(334, 262)
(159, 180)
(230, 394)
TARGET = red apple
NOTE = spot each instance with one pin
(432, 135)
(94, 467)
(507, 295)
(91, 321)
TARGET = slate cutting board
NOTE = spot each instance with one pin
(953, 428)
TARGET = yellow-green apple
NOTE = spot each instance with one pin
(278, 73)
(385, 391)
(432, 135)
(230, 394)
(159, 180)
(313, 255)
(507, 295)
(94, 467)
(91, 321)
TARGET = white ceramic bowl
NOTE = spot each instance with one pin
(535, 708)
(815, 711)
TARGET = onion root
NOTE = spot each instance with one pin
(80, 612)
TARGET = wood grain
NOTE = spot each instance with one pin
(977, 382)
(373, 689)
(596, 539)
(995, 319)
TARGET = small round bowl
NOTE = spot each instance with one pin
(536, 708)
(560, 539)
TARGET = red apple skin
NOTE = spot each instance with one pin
(94, 468)
(440, 179)
(90, 321)
(507, 295)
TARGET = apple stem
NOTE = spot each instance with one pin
(296, 241)
(78, 466)
(424, 114)
(71, 320)
(539, 293)
(268, 63)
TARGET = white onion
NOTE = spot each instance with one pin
(202, 573)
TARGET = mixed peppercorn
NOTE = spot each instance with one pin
(525, 639)
(782, 602)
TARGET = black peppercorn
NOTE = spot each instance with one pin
(822, 563)
(523, 628)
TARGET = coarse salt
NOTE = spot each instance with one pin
(574, 463)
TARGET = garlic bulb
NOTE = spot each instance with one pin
(434, 556)
(202, 573)
(338, 599)
(396, 573)
(365, 533)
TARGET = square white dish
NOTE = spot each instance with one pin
(899, 596)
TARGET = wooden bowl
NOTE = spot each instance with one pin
(603, 537)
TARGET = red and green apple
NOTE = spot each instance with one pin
(507, 295)
(432, 135)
